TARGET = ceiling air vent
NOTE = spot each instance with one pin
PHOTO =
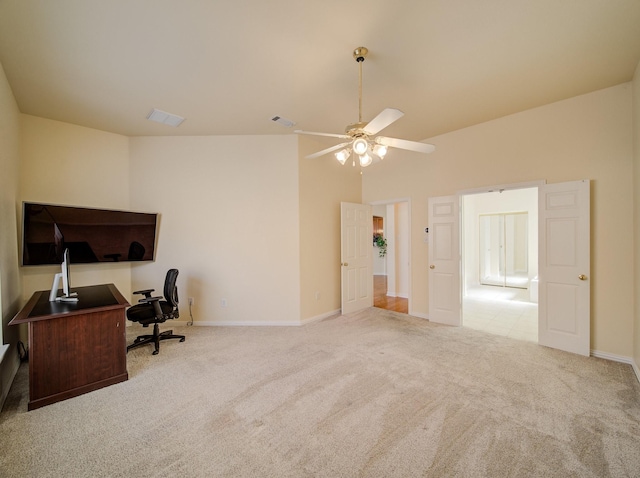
(283, 121)
(165, 118)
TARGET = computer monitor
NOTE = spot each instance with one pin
(67, 295)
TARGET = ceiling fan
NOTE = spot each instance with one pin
(361, 135)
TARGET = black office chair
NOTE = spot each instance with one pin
(154, 310)
(136, 251)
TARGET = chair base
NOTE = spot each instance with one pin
(155, 338)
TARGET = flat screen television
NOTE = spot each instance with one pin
(90, 235)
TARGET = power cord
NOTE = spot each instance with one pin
(190, 312)
(22, 352)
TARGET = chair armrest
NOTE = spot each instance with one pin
(150, 300)
(145, 292)
(155, 301)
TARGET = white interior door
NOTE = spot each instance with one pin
(444, 261)
(356, 256)
(564, 289)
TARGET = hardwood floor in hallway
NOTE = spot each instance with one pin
(382, 301)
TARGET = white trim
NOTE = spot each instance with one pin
(320, 317)
(402, 295)
(419, 315)
(3, 350)
(504, 187)
(387, 202)
(252, 323)
(211, 323)
(9, 366)
(617, 358)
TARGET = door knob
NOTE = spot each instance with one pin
(344, 264)
(432, 266)
(582, 277)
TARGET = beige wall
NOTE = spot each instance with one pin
(10, 287)
(229, 221)
(240, 194)
(73, 165)
(586, 137)
(324, 184)
(636, 196)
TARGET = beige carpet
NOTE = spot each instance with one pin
(374, 393)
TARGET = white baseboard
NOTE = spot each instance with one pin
(220, 323)
(612, 357)
(618, 358)
(420, 315)
(212, 323)
(402, 295)
(320, 317)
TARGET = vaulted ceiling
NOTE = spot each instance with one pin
(229, 66)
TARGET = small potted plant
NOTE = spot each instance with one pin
(381, 243)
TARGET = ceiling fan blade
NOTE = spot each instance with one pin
(404, 144)
(331, 135)
(384, 119)
(326, 151)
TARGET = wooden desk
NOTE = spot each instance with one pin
(74, 348)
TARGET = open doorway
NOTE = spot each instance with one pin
(500, 262)
(391, 256)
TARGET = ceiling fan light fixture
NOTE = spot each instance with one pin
(360, 146)
(380, 150)
(365, 160)
(362, 136)
(343, 155)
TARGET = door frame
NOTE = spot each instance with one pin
(544, 187)
(488, 189)
(388, 202)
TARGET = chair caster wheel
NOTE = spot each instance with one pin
(155, 352)
(182, 339)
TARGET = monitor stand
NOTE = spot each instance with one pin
(72, 297)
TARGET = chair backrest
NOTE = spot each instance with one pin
(170, 289)
(136, 251)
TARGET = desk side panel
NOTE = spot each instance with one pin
(75, 352)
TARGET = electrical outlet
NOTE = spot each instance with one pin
(223, 303)
(318, 295)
